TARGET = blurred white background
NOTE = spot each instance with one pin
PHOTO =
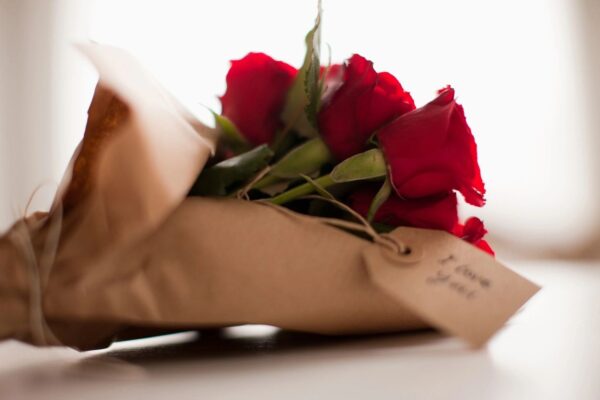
(526, 72)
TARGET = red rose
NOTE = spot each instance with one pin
(364, 102)
(257, 86)
(432, 213)
(431, 150)
(473, 232)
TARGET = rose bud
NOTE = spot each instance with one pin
(364, 101)
(431, 150)
(440, 212)
(473, 232)
(257, 86)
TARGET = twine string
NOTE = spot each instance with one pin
(363, 225)
(38, 271)
(243, 192)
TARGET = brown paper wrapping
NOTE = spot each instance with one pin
(229, 262)
(123, 248)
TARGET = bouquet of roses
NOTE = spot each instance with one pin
(351, 226)
(349, 135)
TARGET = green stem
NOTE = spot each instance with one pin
(302, 190)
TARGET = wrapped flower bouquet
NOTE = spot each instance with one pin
(324, 201)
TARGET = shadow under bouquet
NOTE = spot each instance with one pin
(323, 201)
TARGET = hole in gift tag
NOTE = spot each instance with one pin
(400, 252)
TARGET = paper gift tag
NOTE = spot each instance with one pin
(449, 283)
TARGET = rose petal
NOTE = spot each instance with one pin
(257, 86)
(433, 213)
(431, 150)
(364, 102)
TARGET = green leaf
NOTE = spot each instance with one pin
(307, 158)
(312, 84)
(230, 134)
(304, 159)
(367, 165)
(302, 99)
(381, 197)
(222, 178)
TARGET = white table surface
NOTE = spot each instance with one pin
(550, 350)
